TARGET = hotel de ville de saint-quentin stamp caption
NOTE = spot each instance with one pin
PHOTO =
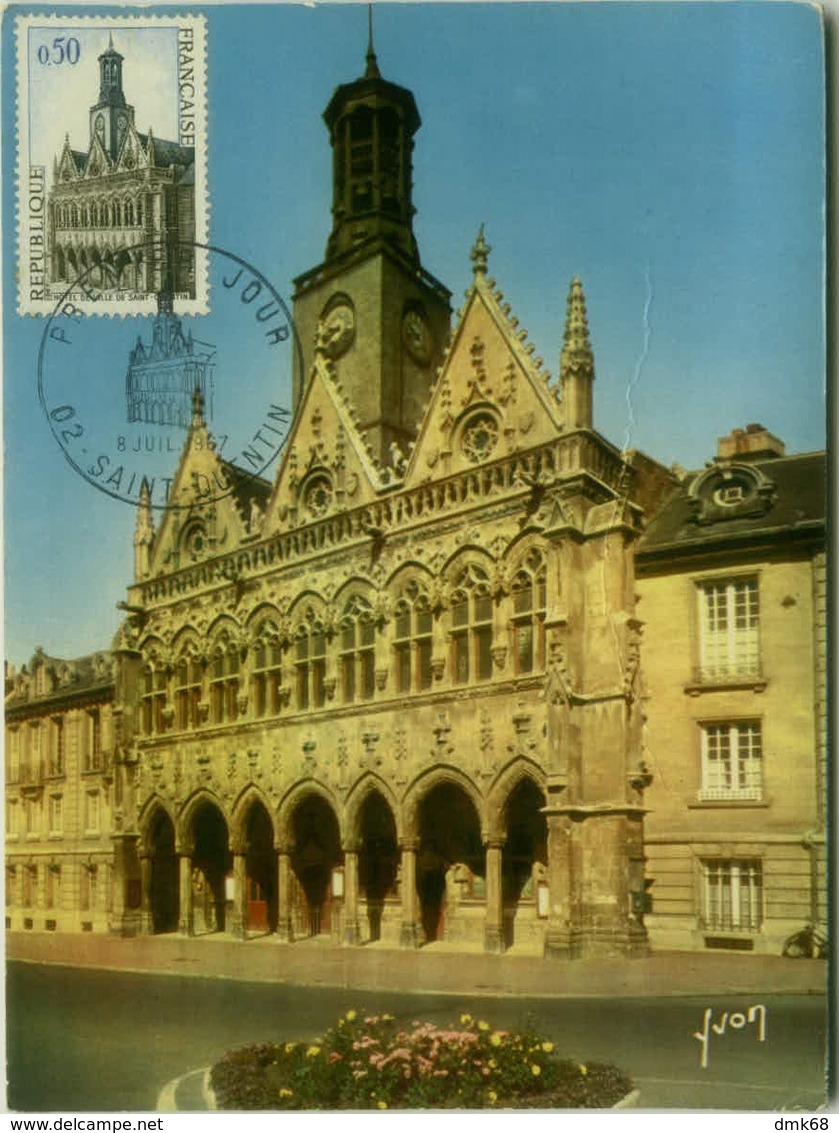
(112, 190)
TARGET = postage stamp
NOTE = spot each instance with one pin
(111, 162)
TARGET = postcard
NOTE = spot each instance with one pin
(416, 560)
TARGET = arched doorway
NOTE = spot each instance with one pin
(163, 894)
(451, 883)
(260, 871)
(211, 864)
(378, 860)
(524, 862)
(317, 853)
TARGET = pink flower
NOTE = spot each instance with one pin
(336, 1057)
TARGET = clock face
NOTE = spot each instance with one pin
(336, 330)
(417, 337)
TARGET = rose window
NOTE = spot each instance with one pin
(479, 437)
(317, 498)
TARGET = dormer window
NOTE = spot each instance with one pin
(731, 492)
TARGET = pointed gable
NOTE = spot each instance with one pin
(133, 153)
(206, 506)
(70, 164)
(326, 466)
(97, 161)
(492, 397)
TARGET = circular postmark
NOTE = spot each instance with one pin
(127, 395)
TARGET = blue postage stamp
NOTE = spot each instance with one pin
(111, 162)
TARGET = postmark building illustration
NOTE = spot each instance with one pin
(111, 162)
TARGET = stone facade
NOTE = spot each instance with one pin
(59, 744)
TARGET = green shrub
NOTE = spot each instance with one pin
(371, 1062)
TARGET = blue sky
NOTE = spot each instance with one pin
(670, 155)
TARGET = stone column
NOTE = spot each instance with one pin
(285, 934)
(494, 923)
(123, 919)
(239, 916)
(563, 931)
(409, 933)
(351, 929)
(185, 923)
(146, 916)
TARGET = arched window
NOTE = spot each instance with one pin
(129, 214)
(153, 699)
(310, 663)
(267, 671)
(224, 681)
(358, 647)
(74, 216)
(117, 214)
(412, 641)
(187, 692)
(528, 594)
(471, 626)
(85, 216)
(139, 211)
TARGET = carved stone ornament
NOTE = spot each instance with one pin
(336, 329)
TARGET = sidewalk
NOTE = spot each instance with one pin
(434, 968)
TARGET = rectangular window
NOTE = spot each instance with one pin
(91, 812)
(53, 887)
(56, 759)
(187, 694)
(35, 744)
(460, 657)
(267, 680)
(12, 818)
(33, 815)
(733, 895)
(13, 762)
(729, 630)
(93, 754)
(84, 888)
(30, 885)
(56, 818)
(403, 666)
(732, 761)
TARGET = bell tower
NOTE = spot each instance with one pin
(110, 117)
(370, 308)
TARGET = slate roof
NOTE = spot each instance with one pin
(83, 675)
(168, 153)
(798, 509)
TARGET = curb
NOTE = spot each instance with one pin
(631, 1101)
(207, 1091)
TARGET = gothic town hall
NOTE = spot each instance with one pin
(465, 672)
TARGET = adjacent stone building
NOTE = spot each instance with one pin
(731, 589)
(397, 693)
(121, 212)
(59, 773)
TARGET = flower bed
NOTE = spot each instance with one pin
(371, 1062)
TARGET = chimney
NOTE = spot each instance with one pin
(755, 442)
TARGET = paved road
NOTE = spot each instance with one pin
(95, 1040)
